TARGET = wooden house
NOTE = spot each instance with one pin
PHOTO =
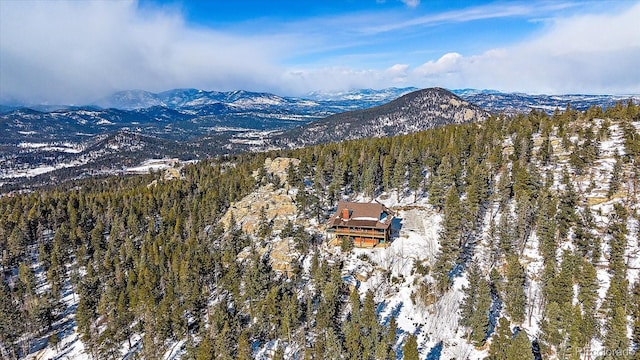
(365, 224)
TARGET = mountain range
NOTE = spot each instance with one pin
(195, 124)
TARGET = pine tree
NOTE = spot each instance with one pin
(480, 318)
(437, 191)
(501, 341)
(11, 323)
(352, 339)
(577, 339)
(333, 348)
(476, 305)
(391, 333)
(520, 348)
(410, 348)
(635, 315)
(370, 177)
(387, 172)
(278, 354)
(553, 332)
(369, 325)
(615, 339)
(587, 296)
(514, 296)
(354, 301)
(415, 178)
(399, 175)
(467, 307)
(616, 177)
(205, 350)
(244, 346)
(566, 215)
(449, 240)
(54, 339)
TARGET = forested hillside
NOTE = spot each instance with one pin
(535, 251)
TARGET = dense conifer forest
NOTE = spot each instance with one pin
(151, 264)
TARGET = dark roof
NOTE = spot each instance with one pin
(365, 215)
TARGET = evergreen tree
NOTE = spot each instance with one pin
(410, 348)
(577, 339)
(205, 350)
(415, 178)
(554, 335)
(514, 296)
(587, 296)
(352, 339)
(399, 175)
(54, 340)
(450, 241)
(387, 172)
(437, 191)
(520, 348)
(615, 339)
(278, 354)
(11, 322)
(244, 346)
(369, 325)
(501, 341)
(476, 305)
(616, 177)
(635, 314)
(333, 348)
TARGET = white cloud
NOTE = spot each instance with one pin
(448, 63)
(344, 78)
(580, 54)
(411, 3)
(78, 51)
(483, 12)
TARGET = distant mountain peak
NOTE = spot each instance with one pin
(387, 94)
(416, 111)
(130, 100)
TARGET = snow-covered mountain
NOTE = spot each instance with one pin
(416, 111)
(130, 100)
(511, 103)
(189, 98)
(384, 95)
(212, 122)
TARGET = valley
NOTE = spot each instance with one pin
(48, 144)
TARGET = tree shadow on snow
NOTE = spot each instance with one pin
(435, 352)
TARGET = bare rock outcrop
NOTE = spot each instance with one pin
(278, 203)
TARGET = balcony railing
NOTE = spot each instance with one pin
(356, 232)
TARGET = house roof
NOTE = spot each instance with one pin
(369, 215)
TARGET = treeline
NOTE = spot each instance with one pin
(152, 259)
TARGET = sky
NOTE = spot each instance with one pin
(76, 52)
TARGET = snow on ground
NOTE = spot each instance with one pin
(152, 165)
(390, 273)
(533, 264)
(144, 168)
(175, 350)
(59, 147)
(417, 241)
(70, 346)
(632, 252)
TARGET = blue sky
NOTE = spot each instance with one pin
(78, 51)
